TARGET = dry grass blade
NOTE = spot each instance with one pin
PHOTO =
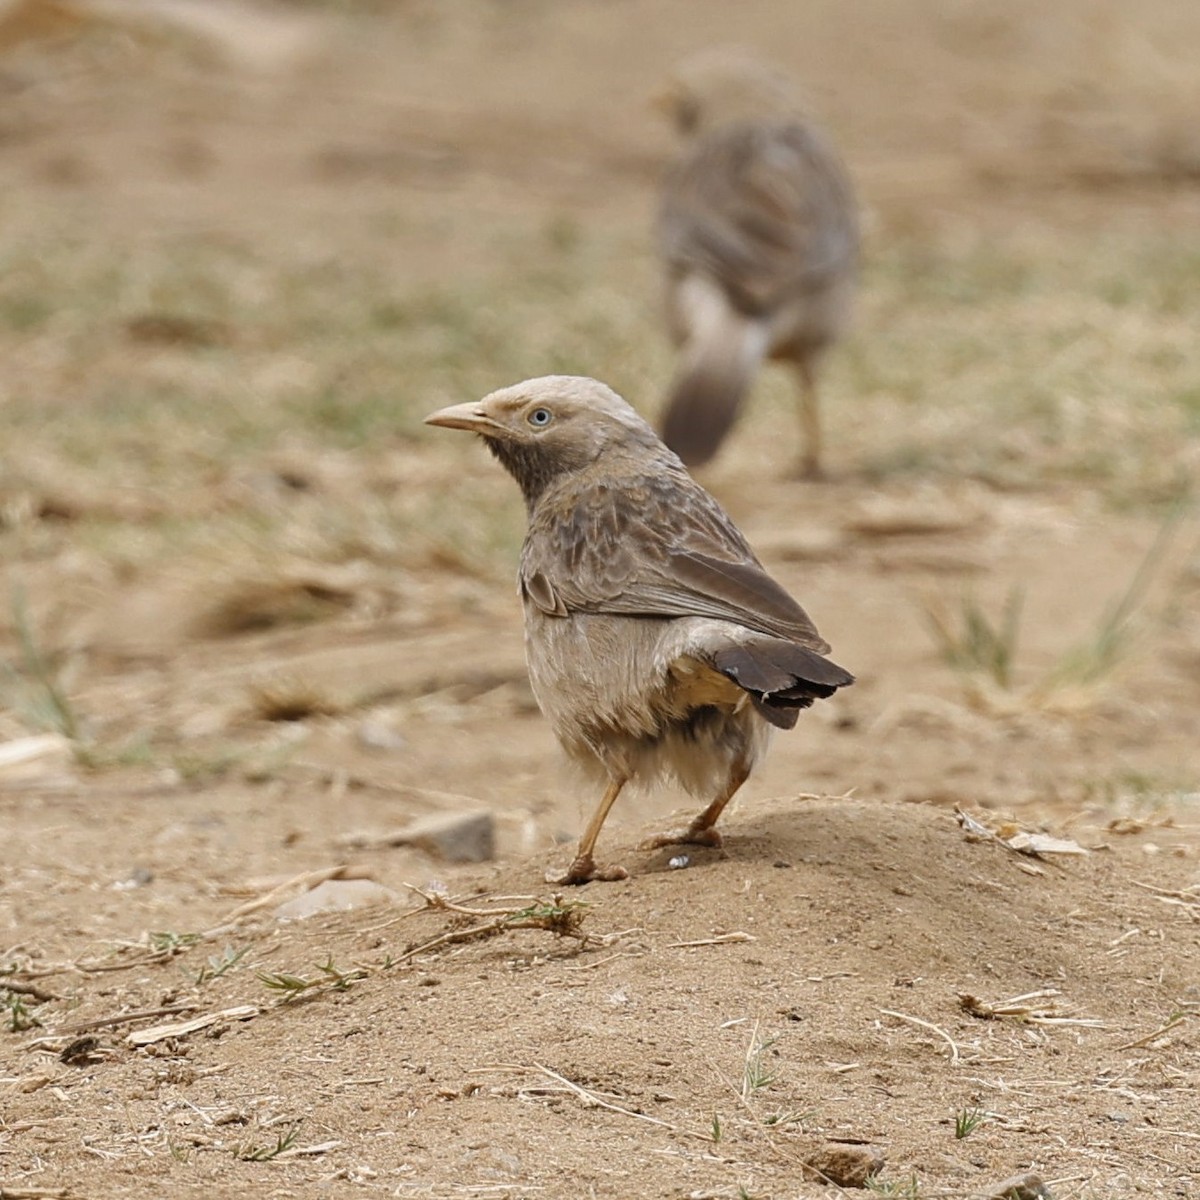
(303, 882)
(307, 1151)
(443, 903)
(723, 939)
(1092, 661)
(608, 958)
(147, 1014)
(38, 677)
(158, 1033)
(983, 649)
(756, 1076)
(1187, 898)
(1175, 1019)
(954, 1051)
(1016, 839)
(971, 642)
(592, 1100)
(1034, 1008)
(90, 967)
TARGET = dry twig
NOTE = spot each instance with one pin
(27, 989)
(554, 916)
(721, 939)
(126, 1018)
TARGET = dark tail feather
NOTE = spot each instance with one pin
(719, 364)
(703, 406)
(781, 677)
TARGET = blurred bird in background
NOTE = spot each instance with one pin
(657, 644)
(758, 230)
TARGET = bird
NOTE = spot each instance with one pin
(657, 645)
(759, 235)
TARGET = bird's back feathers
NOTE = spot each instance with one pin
(759, 234)
(764, 208)
(653, 543)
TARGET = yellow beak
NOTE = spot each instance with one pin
(463, 416)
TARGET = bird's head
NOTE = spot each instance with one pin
(721, 86)
(546, 428)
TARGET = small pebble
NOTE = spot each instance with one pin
(1021, 1187)
(678, 862)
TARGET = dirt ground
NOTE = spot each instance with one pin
(258, 619)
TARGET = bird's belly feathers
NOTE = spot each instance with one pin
(810, 318)
(623, 695)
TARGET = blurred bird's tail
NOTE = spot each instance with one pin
(724, 350)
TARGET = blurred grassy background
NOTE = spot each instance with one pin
(245, 247)
(152, 380)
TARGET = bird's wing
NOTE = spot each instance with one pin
(657, 546)
(765, 208)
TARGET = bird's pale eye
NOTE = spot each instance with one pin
(539, 418)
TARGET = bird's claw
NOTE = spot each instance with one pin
(584, 870)
(691, 836)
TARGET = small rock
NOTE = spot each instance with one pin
(453, 837)
(137, 878)
(492, 1163)
(845, 1166)
(377, 735)
(81, 1052)
(336, 895)
(1021, 1187)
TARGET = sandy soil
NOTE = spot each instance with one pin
(258, 717)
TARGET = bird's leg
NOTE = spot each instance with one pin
(809, 466)
(702, 831)
(583, 869)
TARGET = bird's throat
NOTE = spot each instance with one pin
(532, 468)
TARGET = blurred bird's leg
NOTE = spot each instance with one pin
(809, 466)
(583, 869)
(702, 831)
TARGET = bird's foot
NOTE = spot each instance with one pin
(693, 835)
(584, 870)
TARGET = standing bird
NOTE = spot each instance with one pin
(759, 233)
(657, 645)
